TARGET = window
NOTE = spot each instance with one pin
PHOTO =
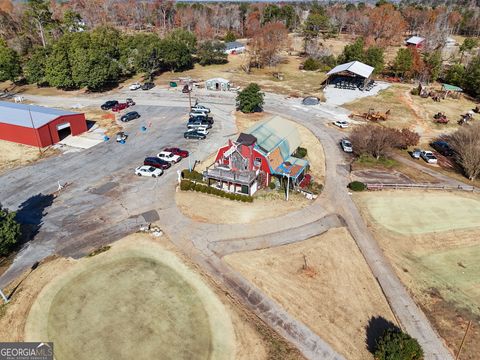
(257, 162)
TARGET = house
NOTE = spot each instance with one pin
(234, 47)
(218, 84)
(262, 152)
(37, 125)
(416, 42)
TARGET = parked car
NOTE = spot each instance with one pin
(135, 86)
(194, 135)
(346, 146)
(194, 113)
(130, 101)
(199, 107)
(202, 117)
(199, 124)
(156, 162)
(428, 157)
(130, 116)
(416, 153)
(177, 151)
(442, 147)
(121, 136)
(148, 171)
(109, 104)
(169, 157)
(119, 107)
(201, 130)
(148, 86)
(341, 124)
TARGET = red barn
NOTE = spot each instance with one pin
(416, 42)
(37, 125)
(265, 150)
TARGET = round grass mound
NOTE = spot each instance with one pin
(132, 305)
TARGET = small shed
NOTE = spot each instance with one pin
(416, 42)
(452, 90)
(234, 47)
(218, 84)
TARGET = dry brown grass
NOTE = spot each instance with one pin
(13, 155)
(335, 298)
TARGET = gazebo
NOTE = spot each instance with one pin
(354, 69)
(452, 90)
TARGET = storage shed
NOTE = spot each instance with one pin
(234, 47)
(416, 42)
(37, 125)
(218, 84)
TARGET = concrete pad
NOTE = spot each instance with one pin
(334, 96)
(83, 141)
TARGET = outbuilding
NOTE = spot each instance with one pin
(351, 75)
(37, 125)
(234, 47)
(416, 42)
(217, 84)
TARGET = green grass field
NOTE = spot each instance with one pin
(132, 305)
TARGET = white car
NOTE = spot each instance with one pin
(428, 157)
(346, 146)
(201, 130)
(341, 124)
(169, 157)
(135, 86)
(198, 113)
(146, 170)
(201, 108)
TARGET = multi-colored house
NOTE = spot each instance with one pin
(262, 152)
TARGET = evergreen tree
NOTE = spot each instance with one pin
(403, 63)
(211, 52)
(9, 63)
(250, 99)
(9, 231)
(397, 345)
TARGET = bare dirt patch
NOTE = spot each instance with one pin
(438, 262)
(216, 210)
(336, 297)
(13, 155)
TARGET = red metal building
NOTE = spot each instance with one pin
(37, 125)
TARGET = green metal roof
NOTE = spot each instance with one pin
(449, 87)
(276, 132)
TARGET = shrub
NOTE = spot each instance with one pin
(272, 185)
(300, 152)
(395, 344)
(9, 231)
(192, 175)
(311, 64)
(357, 186)
(415, 91)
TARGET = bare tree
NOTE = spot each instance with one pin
(465, 142)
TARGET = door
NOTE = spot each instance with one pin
(64, 130)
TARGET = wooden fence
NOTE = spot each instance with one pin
(380, 186)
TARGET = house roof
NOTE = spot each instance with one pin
(355, 67)
(233, 45)
(276, 133)
(449, 87)
(219, 80)
(30, 116)
(415, 40)
(292, 167)
(246, 139)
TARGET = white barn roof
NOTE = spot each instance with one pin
(415, 40)
(24, 115)
(355, 67)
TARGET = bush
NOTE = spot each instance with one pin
(9, 231)
(415, 91)
(357, 186)
(311, 64)
(272, 185)
(300, 152)
(192, 175)
(395, 344)
(186, 185)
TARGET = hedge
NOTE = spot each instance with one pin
(192, 175)
(300, 153)
(357, 186)
(186, 185)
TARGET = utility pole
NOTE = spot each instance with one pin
(463, 341)
(288, 184)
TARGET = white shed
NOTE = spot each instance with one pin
(218, 84)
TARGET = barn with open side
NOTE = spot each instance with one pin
(37, 125)
(351, 75)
